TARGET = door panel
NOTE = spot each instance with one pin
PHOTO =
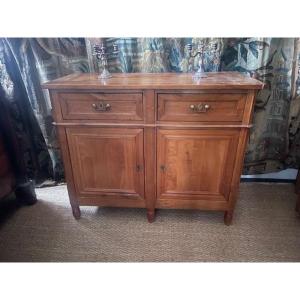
(107, 161)
(196, 164)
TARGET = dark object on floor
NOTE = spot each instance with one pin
(12, 169)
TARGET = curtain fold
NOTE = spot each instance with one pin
(18, 94)
(274, 140)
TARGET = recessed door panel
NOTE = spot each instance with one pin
(196, 164)
(107, 161)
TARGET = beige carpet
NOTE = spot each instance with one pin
(265, 228)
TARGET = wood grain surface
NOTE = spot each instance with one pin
(219, 80)
(154, 140)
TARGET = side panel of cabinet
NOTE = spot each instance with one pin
(107, 163)
(195, 167)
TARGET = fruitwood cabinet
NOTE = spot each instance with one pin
(154, 140)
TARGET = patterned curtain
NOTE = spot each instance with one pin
(271, 60)
(275, 138)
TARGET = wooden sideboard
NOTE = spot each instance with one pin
(154, 140)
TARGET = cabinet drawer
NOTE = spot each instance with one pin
(207, 107)
(102, 106)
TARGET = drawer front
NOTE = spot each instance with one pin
(102, 106)
(210, 107)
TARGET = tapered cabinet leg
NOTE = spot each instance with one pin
(151, 216)
(228, 217)
(76, 212)
(25, 193)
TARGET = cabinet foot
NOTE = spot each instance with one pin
(25, 193)
(76, 212)
(150, 216)
(228, 217)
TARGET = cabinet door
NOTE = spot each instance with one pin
(107, 161)
(195, 164)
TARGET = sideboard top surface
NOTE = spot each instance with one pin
(214, 80)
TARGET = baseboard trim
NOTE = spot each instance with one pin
(268, 180)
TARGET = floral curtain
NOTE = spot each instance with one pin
(275, 138)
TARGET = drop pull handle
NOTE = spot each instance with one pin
(199, 108)
(101, 106)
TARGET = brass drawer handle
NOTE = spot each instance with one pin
(101, 106)
(199, 108)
